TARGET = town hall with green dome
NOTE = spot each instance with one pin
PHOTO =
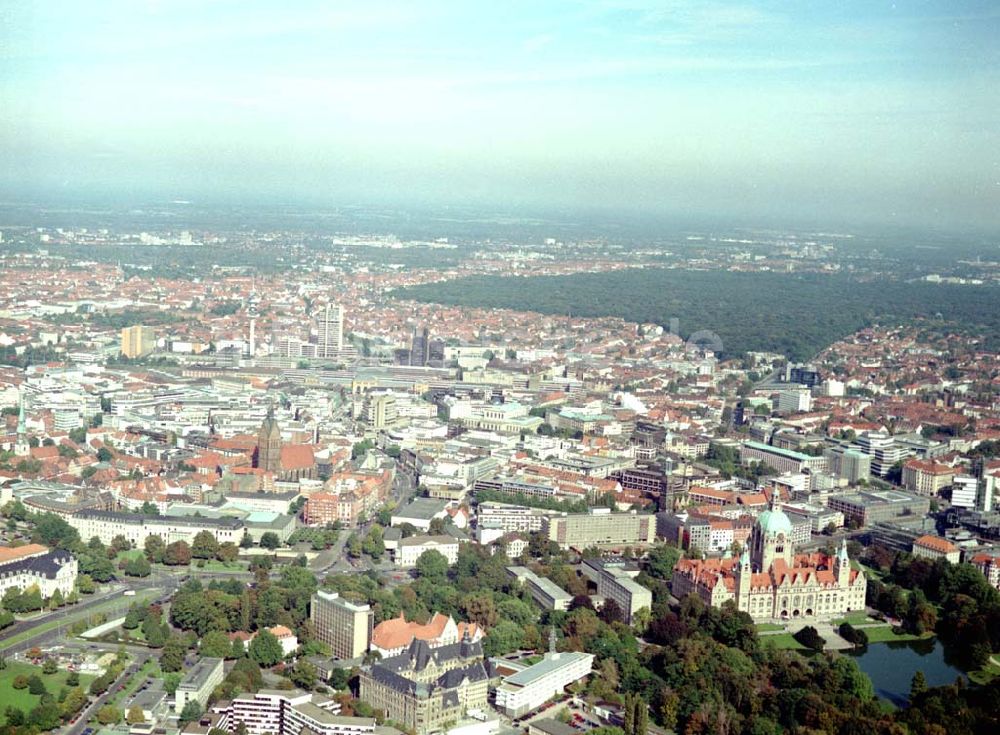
(770, 581)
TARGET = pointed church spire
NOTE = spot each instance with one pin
(22, 422)
(21, 446)
(774, 503)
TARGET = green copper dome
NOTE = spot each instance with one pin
(773, 522)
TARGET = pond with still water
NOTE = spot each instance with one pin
(891, 667)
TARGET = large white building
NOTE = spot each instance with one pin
(410, 549)
(601, 527)
(884, 450)
(964, 490)
(615, 583)
(330, 331)
(785, 461)
(345, 626)
(419, 513)
(34, 565)
(511, 518)
(794, 401)
(543, 590)
(503, 418)
(274, 712)
(198, 683)
(106, 525)
(531, 687)
(934, 548)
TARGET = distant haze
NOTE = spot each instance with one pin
(844, 112)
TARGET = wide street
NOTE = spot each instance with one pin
(156, 586)
(140, 656)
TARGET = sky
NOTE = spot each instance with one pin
(843, 112)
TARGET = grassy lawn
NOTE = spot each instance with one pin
(986, 674)
(21, 698)
(766, 627)
(782, 640)
(127, 555)
(870, 572)
(859, 617)
(121, 635)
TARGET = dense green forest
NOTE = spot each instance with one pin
(795, 314)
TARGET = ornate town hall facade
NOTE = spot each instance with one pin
(770, 581)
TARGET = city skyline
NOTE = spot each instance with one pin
(863, 113)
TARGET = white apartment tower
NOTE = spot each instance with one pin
(252, 313)
(330, 328)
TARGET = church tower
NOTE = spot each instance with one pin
(842, 566)
(771, 538)
(744, 573)
(269, 444)
(21, 446)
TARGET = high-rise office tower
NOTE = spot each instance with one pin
(330, 326)
(420, 347)
(344, 626)
(21, 446)
(137, 341)
(252, 313)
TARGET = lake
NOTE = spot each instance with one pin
(891, 667)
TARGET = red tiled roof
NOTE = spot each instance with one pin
(297, 457)
(10, 553)
(936, 543)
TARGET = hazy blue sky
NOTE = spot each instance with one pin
(844, 111)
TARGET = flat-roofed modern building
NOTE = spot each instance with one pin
(601, 527)
(550, 726)
(531, 687)
(877, 506)
(137, 341)
(820, 517)
(849, 463)
(783, 460)
(543, 591)
(409, 549)
(615, 583)
(278, 712)
(512, 518)
(345, 626)
(419, 513)
(330, 331)
(198, 682)
(884, 450)
(964, 491)
(794, 401)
